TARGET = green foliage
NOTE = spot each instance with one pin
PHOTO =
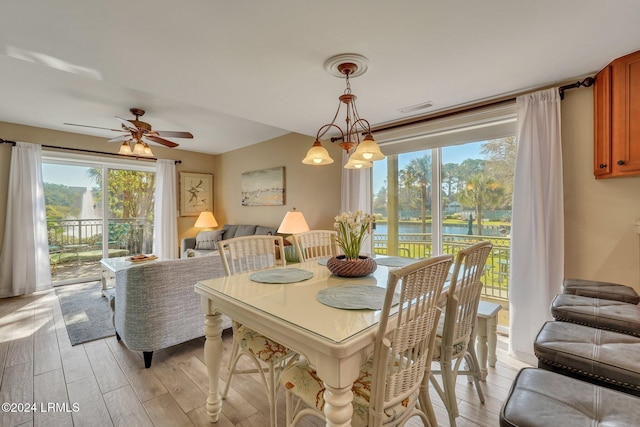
(61, 201)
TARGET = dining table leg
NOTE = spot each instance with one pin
(338, 406)
(212, 358)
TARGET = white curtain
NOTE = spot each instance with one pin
(356, 195)
(24, 261)
(537, 228)
(165, 221)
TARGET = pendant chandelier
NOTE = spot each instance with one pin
(356, 138)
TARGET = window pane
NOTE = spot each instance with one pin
(130, 207)
(74, 221)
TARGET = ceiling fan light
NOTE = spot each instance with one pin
(138, 149)
(317, 155)
(357, 164)
(368, 150)
(147, 150)
(125, 149)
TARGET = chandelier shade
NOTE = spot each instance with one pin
(317, 155)
(362, 150)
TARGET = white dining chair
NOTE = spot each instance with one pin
(455, 337)
(246, 254)
(387, 391)
(316, 244)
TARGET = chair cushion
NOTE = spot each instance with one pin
(599, 313)
(602, 290)
(208, 240)
(540, 398)
(304, 382)
(260, 346)
(593, 354)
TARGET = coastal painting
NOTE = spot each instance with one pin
(263, 187)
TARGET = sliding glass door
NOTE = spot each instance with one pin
(95, 210)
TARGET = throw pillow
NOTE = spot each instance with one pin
(208, 239)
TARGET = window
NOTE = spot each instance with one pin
(95, 210)
(447, 184)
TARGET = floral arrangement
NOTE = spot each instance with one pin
(352, 228)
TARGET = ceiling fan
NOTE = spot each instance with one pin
(137, 130)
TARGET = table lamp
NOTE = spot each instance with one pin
(206, 220)
(292, 223)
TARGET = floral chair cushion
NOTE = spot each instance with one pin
(304, 382)
(459, 348)
(260, 346)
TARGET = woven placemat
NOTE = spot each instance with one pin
(354, 297)
(281, 275)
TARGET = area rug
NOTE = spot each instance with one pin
(86, 312)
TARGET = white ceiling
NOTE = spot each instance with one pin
(235, 73)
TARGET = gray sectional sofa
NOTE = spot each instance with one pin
(206, 242)
(156, 306)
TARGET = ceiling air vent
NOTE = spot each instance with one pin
(418, 107)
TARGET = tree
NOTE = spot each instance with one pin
(380, 201)
(500, 164)
(417, 176)
(481, 192)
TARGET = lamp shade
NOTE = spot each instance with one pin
(293, 223)
(125, 149)
(357, 164)
(317, 155)
(206, 220)
(368, 150)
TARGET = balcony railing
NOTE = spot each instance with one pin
(80, 240)
(418, 245)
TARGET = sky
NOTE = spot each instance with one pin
(450, 154)
(71, 176)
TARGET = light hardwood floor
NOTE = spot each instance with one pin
(108, 385)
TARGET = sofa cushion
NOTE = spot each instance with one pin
(598, 356)
(229, 231)
(208, 240)
(245, 230)
(598, 313)
(265, 231)
(602, 290)
(540, 398)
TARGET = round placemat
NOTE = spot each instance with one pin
(354, 297)
(281, 275)
(394, 261)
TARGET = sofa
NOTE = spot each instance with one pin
(155, 305)
(206, 242)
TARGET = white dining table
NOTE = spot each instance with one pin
(335, 341)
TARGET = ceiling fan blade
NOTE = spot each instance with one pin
(127, 124)
(161, 141)
(120, 138)
(93, 127)
(172, 134)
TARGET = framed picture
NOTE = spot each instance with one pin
(196, 193)
(263, 188)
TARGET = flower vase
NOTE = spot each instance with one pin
(354, 267)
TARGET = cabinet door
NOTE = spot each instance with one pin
(602, 123)
(625, 113)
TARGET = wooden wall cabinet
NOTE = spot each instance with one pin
(617, 118)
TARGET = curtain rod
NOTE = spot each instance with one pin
(4, 141)
(495, 102)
